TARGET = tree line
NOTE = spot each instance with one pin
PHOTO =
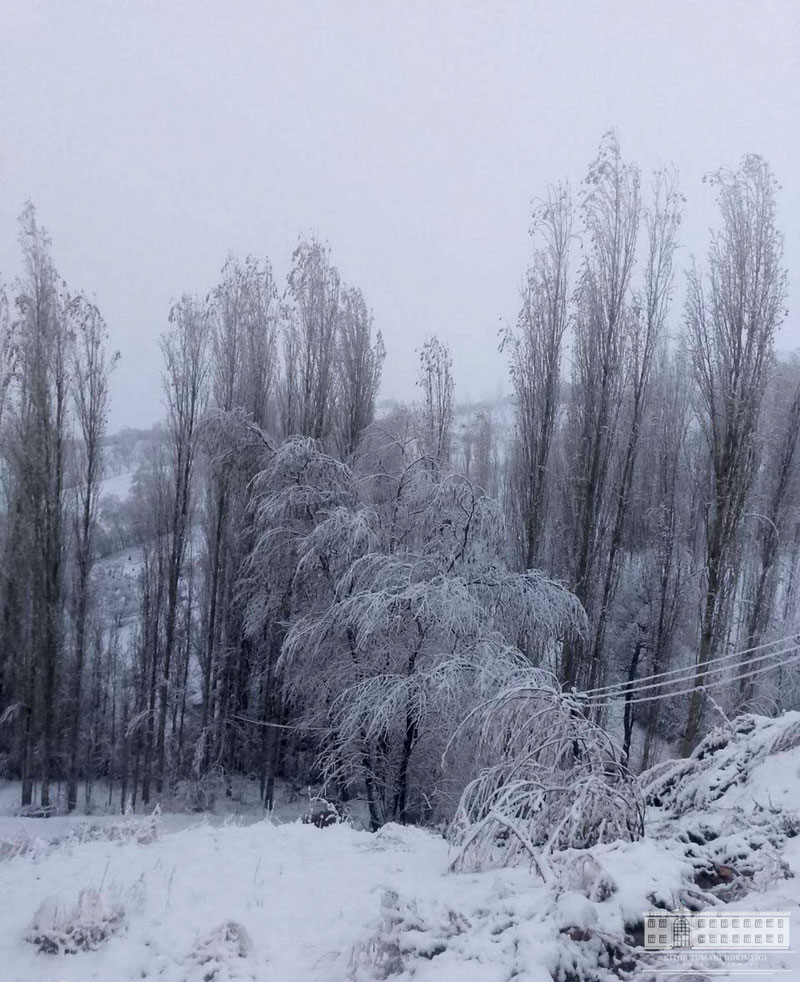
(329, 593)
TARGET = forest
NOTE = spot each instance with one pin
(490, 617)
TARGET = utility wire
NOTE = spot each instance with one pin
(690, 669)
(713, 666)
(603, 704)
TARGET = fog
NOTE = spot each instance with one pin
(155, 138)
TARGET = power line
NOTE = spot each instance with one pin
(602, 704)
(689, 669)
(712, 667)
(281, 726)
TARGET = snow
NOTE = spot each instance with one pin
(177, 899)
(303, 895)
(318, 904)
(117, 485)
(313, 904)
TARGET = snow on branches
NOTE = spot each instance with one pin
(422, 664)
(557, 781)
(404, 618)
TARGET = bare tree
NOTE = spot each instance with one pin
(485, 464)
(360, 365)
(770, 523)
(151, 493)
(13, 535)
(646, 325)
(665, 485)
(91, 367)
(41, 463)
(310, 337)
(611, 208)
(185, 350)
(243, 371)
(260, 328)
(400, 636)
(732, 314)
(535, 352)
(436, 381)
(9, 351)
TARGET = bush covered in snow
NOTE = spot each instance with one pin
(84, 926)
(322, 813)
(407, 935)
(143, 830)
(557, 782)
(217, 955)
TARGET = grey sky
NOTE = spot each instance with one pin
(156, 137)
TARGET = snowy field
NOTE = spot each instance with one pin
(182, 899)
(294, 902)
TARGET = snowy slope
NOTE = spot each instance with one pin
(295, 903)
(117, 485)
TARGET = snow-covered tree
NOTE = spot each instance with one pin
(554, 780)
(412, 631)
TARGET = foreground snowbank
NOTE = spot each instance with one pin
(294, 903)
(314, 904)
(302, 895)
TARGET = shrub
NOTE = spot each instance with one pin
(322, 813)
(216, 953)
(558, 782)
(82, 927)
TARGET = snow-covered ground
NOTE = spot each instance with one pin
(117, 485)
(179, 899)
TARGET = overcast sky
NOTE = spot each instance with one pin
(157, 137)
